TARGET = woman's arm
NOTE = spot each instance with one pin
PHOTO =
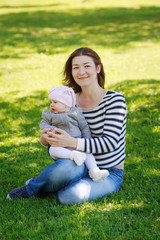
(107, 124)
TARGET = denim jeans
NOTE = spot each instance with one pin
(71, 184)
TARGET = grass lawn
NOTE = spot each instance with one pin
(36, 38)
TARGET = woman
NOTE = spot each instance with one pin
(105, 112)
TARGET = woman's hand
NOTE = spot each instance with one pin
(44, 136)
(60, 138)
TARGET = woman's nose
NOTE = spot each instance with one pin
(81, 70)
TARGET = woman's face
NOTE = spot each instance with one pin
(84, 71)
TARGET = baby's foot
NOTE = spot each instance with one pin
(78, 157)
(96, 174)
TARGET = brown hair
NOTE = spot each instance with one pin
(68, 78)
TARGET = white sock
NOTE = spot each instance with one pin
(96, 174)
(78, 157)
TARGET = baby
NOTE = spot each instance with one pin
(64, 115)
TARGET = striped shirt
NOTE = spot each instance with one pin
(107, 123)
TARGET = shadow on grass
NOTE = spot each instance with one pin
(131, 213)
(20, 134)
(115, 223)
(21, 118)
(143, 102)
(142, 152)
(23, 114)
(54, 31)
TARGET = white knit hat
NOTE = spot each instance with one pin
(64, 95)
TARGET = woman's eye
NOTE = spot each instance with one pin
(87, 66)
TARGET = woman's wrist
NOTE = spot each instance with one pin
(73, 143)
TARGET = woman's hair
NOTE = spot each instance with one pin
(68, 78)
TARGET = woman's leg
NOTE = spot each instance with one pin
(53, 178)
(56, 176)
(86, 190)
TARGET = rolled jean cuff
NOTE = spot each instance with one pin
(29, 191)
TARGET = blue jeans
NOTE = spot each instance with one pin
(71, 184)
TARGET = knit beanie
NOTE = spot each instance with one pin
(64, 95)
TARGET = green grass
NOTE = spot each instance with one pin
(36, 38)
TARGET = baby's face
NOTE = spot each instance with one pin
(58, 107)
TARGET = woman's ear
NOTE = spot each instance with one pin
(98, 68)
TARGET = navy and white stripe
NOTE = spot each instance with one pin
(107, 124)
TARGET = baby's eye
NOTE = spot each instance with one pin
(87, 66)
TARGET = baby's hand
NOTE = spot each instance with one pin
(46, 130)
(56, 131)
(49, 132)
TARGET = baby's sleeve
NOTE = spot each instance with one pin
(46, 120)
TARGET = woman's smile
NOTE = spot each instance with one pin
(82, 78)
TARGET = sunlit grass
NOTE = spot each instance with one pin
(127, 38)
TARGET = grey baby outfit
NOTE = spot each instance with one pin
(73, 122)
